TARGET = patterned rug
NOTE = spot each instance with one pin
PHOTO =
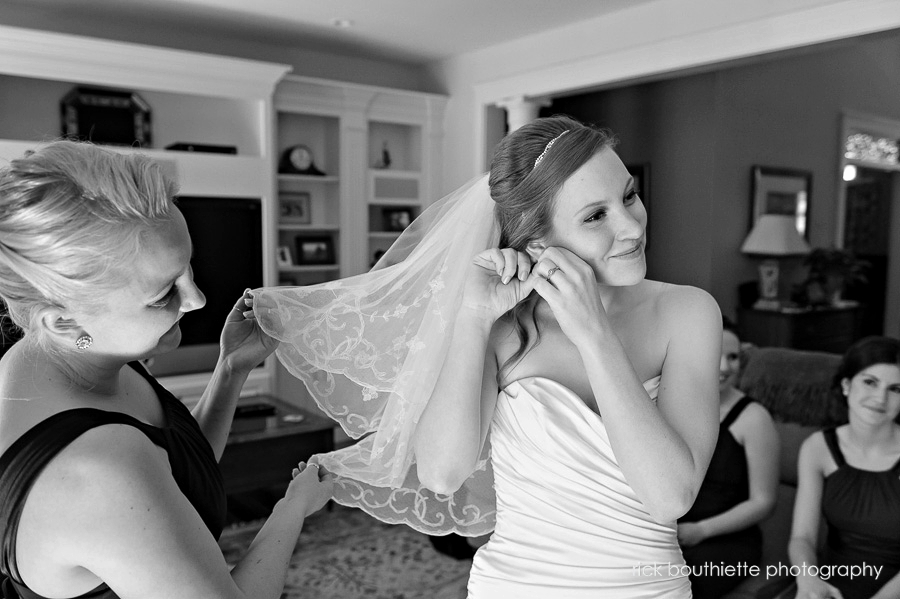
(345, 554)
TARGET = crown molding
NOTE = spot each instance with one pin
(64, 57)
(836, 20)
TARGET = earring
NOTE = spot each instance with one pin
(84, 342)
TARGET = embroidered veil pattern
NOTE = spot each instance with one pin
(369, 350)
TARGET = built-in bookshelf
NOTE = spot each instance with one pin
(379, 151)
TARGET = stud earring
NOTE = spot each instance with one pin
(84, 342)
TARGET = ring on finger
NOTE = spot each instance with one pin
(552, 272)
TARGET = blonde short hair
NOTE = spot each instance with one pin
(72, 216)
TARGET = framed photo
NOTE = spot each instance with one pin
(315, 250)
(397, 219)
(295, 208)
(781, 191)
(283, 256)
(106, 116)
(641, 175)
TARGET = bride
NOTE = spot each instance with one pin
(545, 371)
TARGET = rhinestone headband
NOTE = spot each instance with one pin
(547, 149)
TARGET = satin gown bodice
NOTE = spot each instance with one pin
(568, 523)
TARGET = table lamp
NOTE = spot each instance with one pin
(773, 236)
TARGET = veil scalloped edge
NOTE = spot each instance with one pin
(369, 349)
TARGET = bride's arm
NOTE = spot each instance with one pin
(663, 449)
(453, 426)
(455, 422)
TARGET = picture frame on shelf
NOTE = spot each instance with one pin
(316, 250)
(397, 219)
(106, 116)
(295, 207)
(786, 191)
(283, 256)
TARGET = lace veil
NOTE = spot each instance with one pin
(369, 349)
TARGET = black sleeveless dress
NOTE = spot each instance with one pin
(862, 511)
(193, 463)
(725, 485)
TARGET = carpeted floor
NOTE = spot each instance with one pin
(345, 554)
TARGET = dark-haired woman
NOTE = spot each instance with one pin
(850, 475)
(598, 387)
(738, 492)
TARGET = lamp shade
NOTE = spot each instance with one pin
(775, 235)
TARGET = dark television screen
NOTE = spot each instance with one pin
(228, 258)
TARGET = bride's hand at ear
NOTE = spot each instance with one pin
(498, 279)
(572, 292)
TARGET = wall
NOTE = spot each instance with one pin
(650, 39)
(147, 30)
(702, 134)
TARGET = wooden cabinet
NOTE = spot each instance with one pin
(263, 455)
(824, 329)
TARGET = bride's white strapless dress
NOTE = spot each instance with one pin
(568, 523)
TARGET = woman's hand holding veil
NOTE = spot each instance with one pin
(497, 280)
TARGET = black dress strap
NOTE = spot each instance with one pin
(834, 447)
(735, 411)
(27, 457)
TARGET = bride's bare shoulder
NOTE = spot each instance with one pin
(683, 304)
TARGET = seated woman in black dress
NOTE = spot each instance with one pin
(109, 486)
(738, 491)
(850, 475)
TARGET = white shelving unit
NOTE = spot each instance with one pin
(347, 127)
(195, 98)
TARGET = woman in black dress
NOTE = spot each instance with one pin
(850, 475)
(109, 486)
(738, 492)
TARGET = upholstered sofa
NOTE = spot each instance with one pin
(795, 386)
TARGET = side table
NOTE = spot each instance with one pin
(263, 450)
(830, 329)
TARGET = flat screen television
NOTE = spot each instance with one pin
(228, 258)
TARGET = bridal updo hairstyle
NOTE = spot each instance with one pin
(524, 193)
(72, 218)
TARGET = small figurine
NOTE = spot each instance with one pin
(385, 161)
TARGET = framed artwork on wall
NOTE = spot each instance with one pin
(783, 191)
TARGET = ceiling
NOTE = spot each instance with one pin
(409, 31)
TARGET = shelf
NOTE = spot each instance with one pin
(347, 127)
(198, 173)
(394, 174)
(308, 228)
(286, 178)
(385, 234)
(403, 142)
(309, 268)
(394, 202)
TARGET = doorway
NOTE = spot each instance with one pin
(867, 227)
(868, 216)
